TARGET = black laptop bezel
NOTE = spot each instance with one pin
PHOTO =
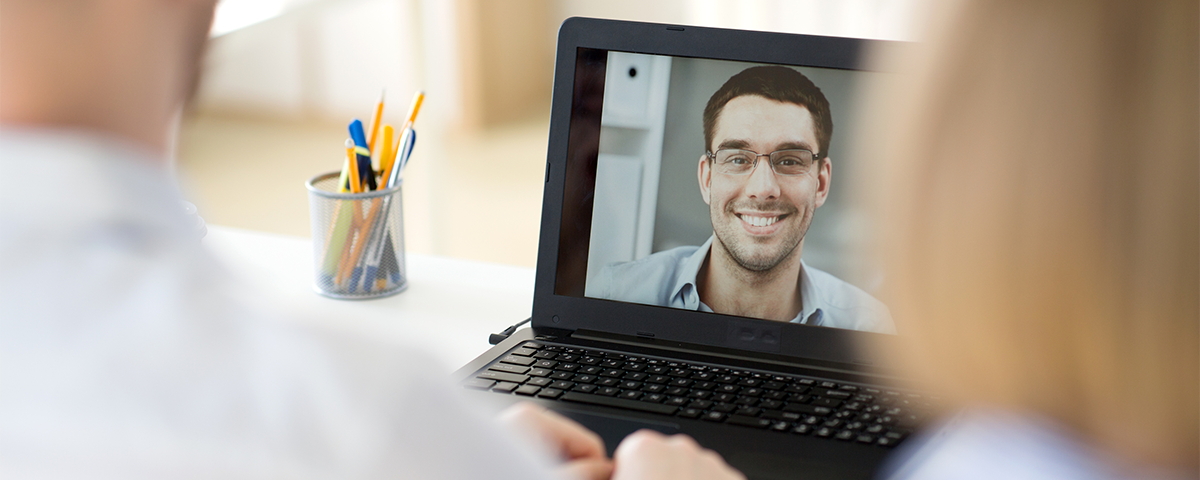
(664, 324)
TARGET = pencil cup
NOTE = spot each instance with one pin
(358, 240)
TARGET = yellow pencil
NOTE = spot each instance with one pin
(386, 157)
(418, 99)
(355, 180)
(375, 123)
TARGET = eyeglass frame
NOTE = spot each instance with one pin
(712, 157)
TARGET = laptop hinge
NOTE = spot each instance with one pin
(646, 341)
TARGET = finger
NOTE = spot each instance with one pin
(588, 469)
(639, 440)
(716, 461)
(575, 440)
(683, 440)
(571, 439)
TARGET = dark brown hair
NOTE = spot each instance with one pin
(777, 83)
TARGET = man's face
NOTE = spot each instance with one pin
(762, 217)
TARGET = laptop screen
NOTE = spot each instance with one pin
(718, 186)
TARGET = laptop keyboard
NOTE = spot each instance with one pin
(756, 399)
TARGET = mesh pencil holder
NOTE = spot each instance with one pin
(358, 240)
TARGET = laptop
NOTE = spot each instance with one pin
(700, 267)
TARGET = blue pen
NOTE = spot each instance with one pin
(389, 259)
(381, 240)
(408, 142)
(365, 171)
(408, 150)
(354, 279)
(369, 276)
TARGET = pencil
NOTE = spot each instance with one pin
(355, 180)
(347, 246)
(375, 122)
(418, 99)
(363, 239)
(339, 234)
(389, 174)
(386, 157)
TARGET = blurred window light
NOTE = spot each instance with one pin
(232, 15)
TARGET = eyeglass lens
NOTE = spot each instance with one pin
(784, 162)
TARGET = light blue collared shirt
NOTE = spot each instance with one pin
(668, 279)
(987, 444)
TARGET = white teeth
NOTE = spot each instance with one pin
(759, 221)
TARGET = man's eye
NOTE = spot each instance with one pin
(791, 161)
(738, 160)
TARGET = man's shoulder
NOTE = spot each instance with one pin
(863, 310)
(838, 292)
(647, 280)
(666, 260)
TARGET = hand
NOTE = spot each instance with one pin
(581, 449)
(649, 455)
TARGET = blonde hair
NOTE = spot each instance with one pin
(1042, 206)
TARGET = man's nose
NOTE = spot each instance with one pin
(762, 183)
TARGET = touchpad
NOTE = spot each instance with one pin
(764, 466)
(613, 428)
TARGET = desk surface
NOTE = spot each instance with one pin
(449, 308)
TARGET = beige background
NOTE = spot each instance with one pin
(276, 96)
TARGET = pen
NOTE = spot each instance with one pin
(365, 172)
(389, 259)
(407, 142)
(344, 178)
(380, 244)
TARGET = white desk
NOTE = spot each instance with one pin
(449, 308)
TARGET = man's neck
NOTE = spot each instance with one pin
(138, 56)
(727, 287)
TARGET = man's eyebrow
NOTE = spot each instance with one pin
(742, 144)
(733, 143)
(796, 145)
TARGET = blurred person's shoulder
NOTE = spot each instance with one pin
(129, 350)
(992, 444)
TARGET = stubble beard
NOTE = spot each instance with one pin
(728, 235)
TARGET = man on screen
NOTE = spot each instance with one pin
(763, 174)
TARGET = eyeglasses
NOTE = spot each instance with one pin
(789, 163)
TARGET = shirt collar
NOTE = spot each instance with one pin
(812, 311)
(684, 289)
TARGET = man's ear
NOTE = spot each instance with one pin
(704, 176)
(824, 175)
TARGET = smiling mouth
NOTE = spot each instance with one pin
(760, 220)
